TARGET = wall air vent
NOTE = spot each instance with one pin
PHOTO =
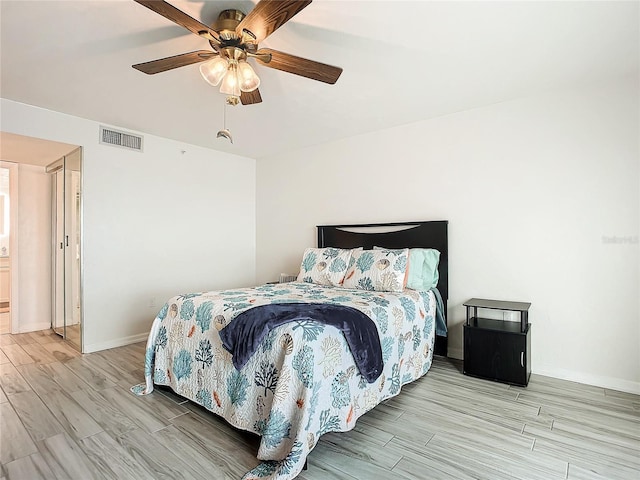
(109, 136)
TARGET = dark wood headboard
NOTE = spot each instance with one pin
(396, 235)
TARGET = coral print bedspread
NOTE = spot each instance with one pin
(302, 381)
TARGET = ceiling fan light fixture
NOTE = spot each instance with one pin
(213, 70)
(249, 81)
(233, 38)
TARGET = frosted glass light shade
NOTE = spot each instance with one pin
(249, 81)
(230, 84)
(213, 70)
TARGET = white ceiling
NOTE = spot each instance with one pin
(32, 151)
(403, 62)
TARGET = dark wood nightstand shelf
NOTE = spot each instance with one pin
(496, 349)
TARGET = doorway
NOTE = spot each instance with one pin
(29, 249)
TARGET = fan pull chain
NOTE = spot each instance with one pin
(225, 133)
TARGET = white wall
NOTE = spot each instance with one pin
(174, 219)
(34, 248)
(531, 188)
(534, 189)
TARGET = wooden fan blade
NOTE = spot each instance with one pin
(248, 98)
(300, 66)
(169, 63)
(178, 16)
(269, 15)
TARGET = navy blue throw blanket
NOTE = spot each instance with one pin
(245, 332)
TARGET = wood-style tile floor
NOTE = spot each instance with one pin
(69, 416)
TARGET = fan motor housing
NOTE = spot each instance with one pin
(226, 24)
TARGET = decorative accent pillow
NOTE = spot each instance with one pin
(324, 266)
(422, 268)
(381, 270)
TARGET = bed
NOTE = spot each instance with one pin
(303, 378)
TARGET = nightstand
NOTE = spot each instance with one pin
(496, 349)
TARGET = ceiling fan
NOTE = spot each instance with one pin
(234, 37)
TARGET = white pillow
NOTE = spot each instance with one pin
(380, 270)
(324, 266)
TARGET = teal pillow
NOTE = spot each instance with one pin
(423, 268)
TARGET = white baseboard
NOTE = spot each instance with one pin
(457, 353)
(588, 379)
(118, 342)
(578, 377)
